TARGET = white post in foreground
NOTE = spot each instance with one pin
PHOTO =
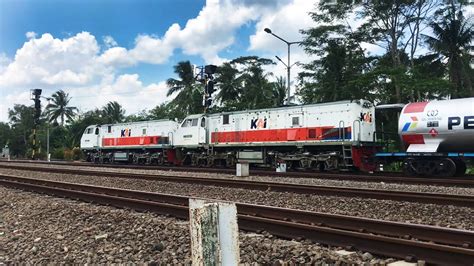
(242, 169)
(281, 168)
(214, 233)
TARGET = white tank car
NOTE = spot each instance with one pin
(438, 126)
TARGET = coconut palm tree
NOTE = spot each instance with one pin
(452, 39)
(189, 93)
(58, 107)
(113, 112)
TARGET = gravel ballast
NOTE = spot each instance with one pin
(439, 215)
(277, 179)
(38, 229)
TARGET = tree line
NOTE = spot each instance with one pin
(427, 54)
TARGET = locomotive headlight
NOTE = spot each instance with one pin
(271, 153)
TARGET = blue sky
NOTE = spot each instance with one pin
(121, 19)
(124, 50)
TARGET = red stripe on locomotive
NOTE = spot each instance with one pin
(131, 141)
(276, 135)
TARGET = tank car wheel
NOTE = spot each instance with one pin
(460, 167)
(446, 168)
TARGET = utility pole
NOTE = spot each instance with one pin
(287, 65)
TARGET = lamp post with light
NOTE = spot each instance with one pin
(287, 65)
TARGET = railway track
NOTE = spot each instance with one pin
(389, 177)
(420, 197)
(435, 245)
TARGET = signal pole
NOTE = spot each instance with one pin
(35, 96)
(209, 82)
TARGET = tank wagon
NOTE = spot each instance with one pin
(438, 137)
(338, 135)
(137, 142)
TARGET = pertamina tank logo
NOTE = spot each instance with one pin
(258, 123)
(410, 125)
(127, 132)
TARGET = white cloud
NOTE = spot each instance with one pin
(109, 41)
(30, 35)
(77, 64)
(48, 60)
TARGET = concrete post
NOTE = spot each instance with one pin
(242, 169)
(281, 168)
(214, 233)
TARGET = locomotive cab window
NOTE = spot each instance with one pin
(225, 119)
(97, 131)
(89, 131)
(109, 129)
(144, 131)
(190, 123)
(203, 122)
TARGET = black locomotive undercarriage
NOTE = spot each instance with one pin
(336, 157)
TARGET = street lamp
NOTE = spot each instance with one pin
(287, 65)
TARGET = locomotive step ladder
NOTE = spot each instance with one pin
(347, 156)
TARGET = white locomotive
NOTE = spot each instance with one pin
(146, 141)
(326, 136)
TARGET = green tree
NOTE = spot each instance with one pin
(83, 120)
(279, 91)
(113, 112)
(5, 134)
(230, 86)
(58, 108)
(140, 116)
(336, 75)
(21, 118)
(188, 92)
(452, 38)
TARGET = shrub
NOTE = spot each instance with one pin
(68, 154)
(58, 153)
(77, 153)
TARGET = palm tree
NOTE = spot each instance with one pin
(58, 107)
(113, 112)
(189, 97)
(452, 39)
(230, 86)
(279, 91)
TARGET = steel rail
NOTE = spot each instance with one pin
(387, 177)
(419, 197)
(379, 237)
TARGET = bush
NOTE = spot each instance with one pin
(68, 154)
(58, 153)
(77, 153)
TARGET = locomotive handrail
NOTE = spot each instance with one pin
(353, 128)
(342, 135)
